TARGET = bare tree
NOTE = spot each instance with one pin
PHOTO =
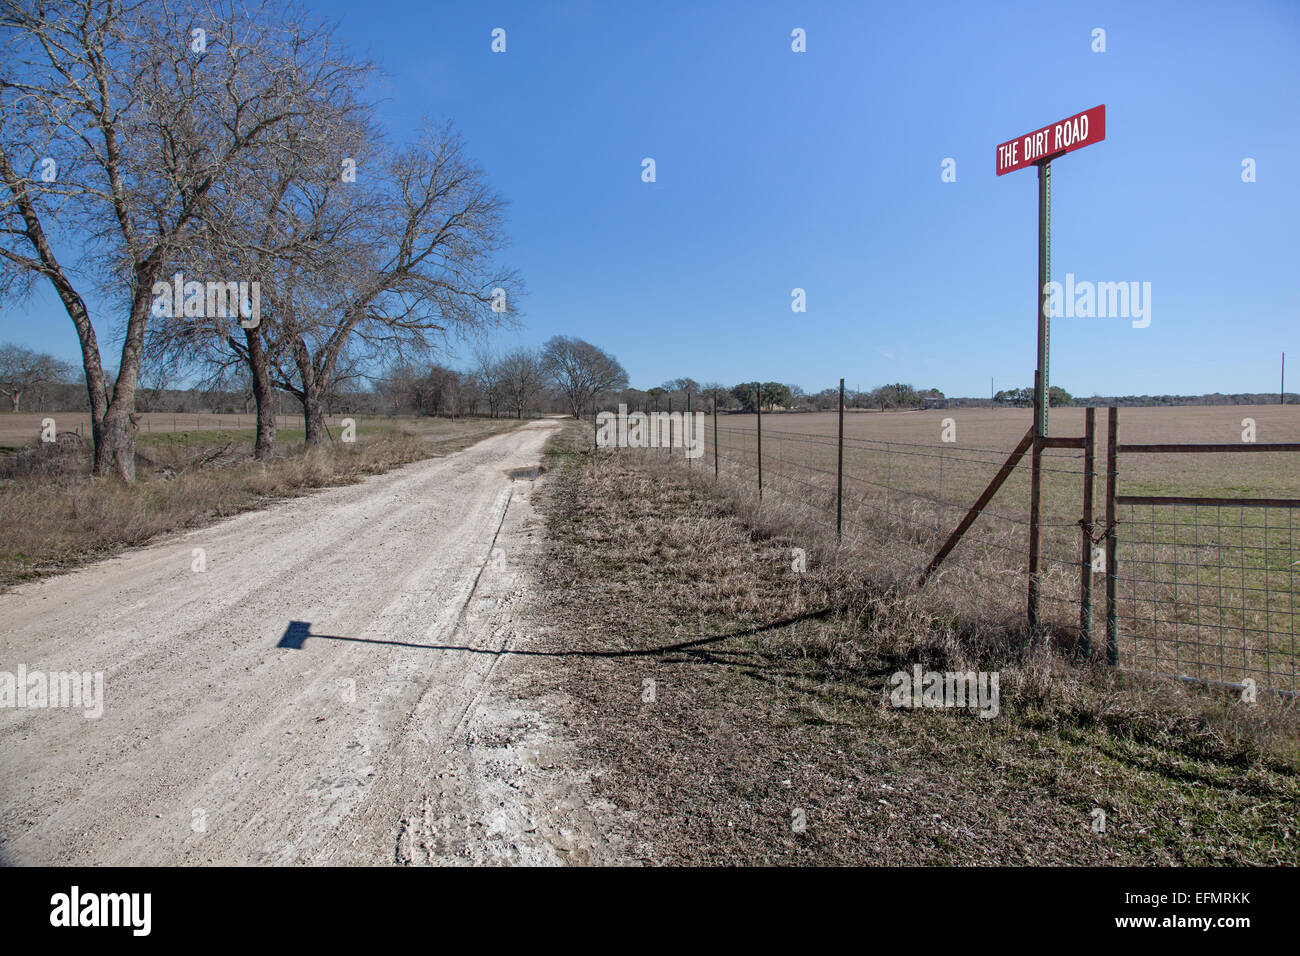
(273, 228)
(22, 370)
(124, 125)
(395, 388)
(719, 396)
(522, 377)
(581, 371)
(487, 372)
(682, 386)
(404, 260)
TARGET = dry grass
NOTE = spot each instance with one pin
(18, 430)
(56, 517)
(771, 697)
(1208, 592)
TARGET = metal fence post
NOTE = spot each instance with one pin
(715, 434)
(1112, 466)
(1085, 548)
(1035, 499)
(758, 404)
(685, 427)
(839, 474)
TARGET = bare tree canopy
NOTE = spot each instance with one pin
(581, 371)
(22, 370)
(122, 130)
(520, 376)
(403, 261)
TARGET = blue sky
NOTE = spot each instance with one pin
(821, 170)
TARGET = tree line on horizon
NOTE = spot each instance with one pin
(566, 375)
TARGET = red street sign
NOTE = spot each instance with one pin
(1080, 130)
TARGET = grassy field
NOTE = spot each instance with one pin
(1203, 591)
(57, 517)
(24, 428)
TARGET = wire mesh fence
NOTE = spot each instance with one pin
(1206, 585)
(1200, 587)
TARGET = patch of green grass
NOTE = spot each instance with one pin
(567, 448)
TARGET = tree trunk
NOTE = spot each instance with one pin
(313, 418)
(115, 441)
(263, 395)
(13, 400)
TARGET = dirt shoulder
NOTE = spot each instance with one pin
(734, 711)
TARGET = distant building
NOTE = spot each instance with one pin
(936, 403)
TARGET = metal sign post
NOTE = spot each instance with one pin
(1044, 299)
(1039, 148)
(1041, 393)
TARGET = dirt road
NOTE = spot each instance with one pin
(326, 690)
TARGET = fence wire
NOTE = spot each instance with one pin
(1206, 592)
(902, 499)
